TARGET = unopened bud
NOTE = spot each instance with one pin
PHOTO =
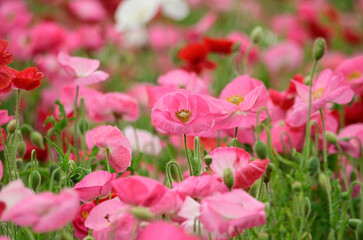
(34, 180)
(313, 166)
(21, 148)
(296, 186)
(142, 213)
(263, 236)
(83, 126)
(256, 34)
(260, 149)
(353, 223)
(319, 48)
(323, 181)
(208, 160)
(228, 178)
(11, 126)
(353, 176)
(331, 137)
(37, 139)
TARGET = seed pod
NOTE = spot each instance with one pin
(256, 34)
(319, 48)
(83, 126)
(260, 149)
(313, 165)
(35, 180)
(208, 160)
(228, 178)
(353, 223)
(37, 139)
(11, 126)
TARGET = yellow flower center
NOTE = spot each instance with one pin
(84, 214)
(318, 93)
(183, 115)
(236, 99)
(354, 75)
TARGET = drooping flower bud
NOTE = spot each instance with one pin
(353, 176)
(260, 149)
(83, 126)
(34, 180)
(228, 178)
(331, 137)
(257, 34)
(37, 139)
(21, 148)
(319, 48)
(313, 166)
(10, 128)
(353, 223)
(142, 213)
(323, 180)
(208, 160)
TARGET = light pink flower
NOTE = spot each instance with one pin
(328, 87)
(10, 195)
(95, 185)
(88, 10)
(181, 112)
(80, 231)
(163, 36)
(154, 93)
(4, 117)
(239, 103)
(45, 212)
(111, 139)
(164, 231)
(83, 70)
(346, 141)
(139, 191)
(245, 172)
(143, 141)
(230, 211)
(352, 69)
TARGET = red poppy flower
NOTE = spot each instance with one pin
(5, 56)
(222, 46)
(195, 55)
(28, 79)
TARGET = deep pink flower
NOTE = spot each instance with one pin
(4, 117)
(45, 212)
(139, 191)
(245, 172)
(181, 112)
(328, 87)
(80, 231)
(83, 70)
(164, 231)
(352, 69)
(230, 211)
(111, 139)
(239, 103)
(95, 185)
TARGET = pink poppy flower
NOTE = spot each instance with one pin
(14, 14)
(110, 218)
(181, 112)
(4, 117)
(239, 103)
(10, 195)
(169, 204)
(121, 105)
(200, 187)
(346, 141)
(139, 191)
(244, 42)
(95, 185)
(154, 93)
(45, 212)
(83, 70)
(164, 231)
(245, 172)
(88, 10)
(328, 87)
(80, 230)
(229, 211)
(353, 71)
(163, 36)
(111, 139)
(143, 141)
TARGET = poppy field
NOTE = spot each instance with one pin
(181, 119)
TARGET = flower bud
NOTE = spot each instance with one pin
(331, 137)
(37, 139)
(21, 148)
(19, 163)
(83, 126)
(235, 143)
(34, 180)
(313, 166)
(208, 160)
(257, 34)
(263, 236)
(344, 195)
(323, 181)
(353, 176)
(353, 223)
(260, 149)
(142, 213)
(319, 48)
(359, 231)
(228, 178)
(11, 126)
(296, 186)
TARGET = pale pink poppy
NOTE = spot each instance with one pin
(10, 195)
(110, 218)
(169, 204)
(245, 172)
(328, 87)
(352, 70)
(45, 212)
(181, 112)
(4, 117)
(143, 141)
(83, 70)
(88, 10)
(164, 231)
(333, 60)
(239, 102)
(347, 138)
(91, 37)
(80, 231)
(139, 191)
(200, 187)
(111, 139)
(182, 79)
(230, 211)
(95, 185)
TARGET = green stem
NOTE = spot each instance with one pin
(75, 123)
(188, 159)
(235, 133)
(107, 160)
(7, 157)
(13, 162)
(245, 57)
(168, 172)
(308, 125)
(134, 229)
